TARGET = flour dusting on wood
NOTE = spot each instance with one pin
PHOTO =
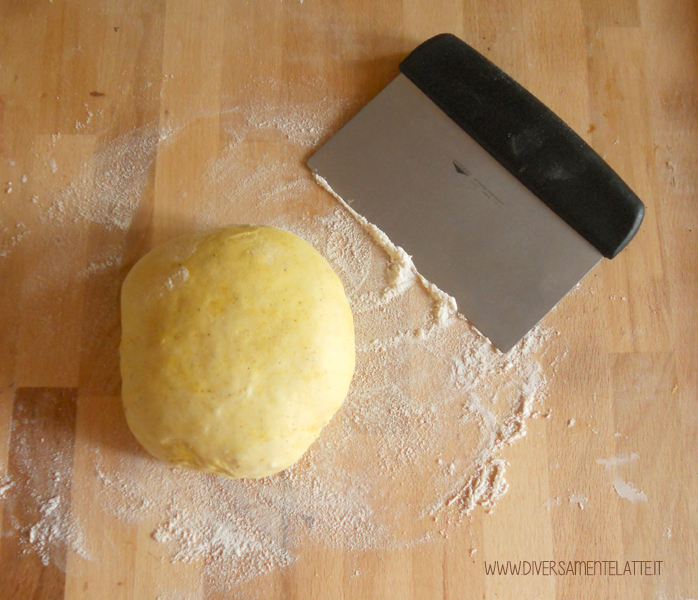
(416, 446)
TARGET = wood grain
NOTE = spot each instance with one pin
(76, 76)
(40, 465)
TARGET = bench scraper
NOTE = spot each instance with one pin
(499, 202)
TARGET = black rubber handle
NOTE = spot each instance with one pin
(529, 140)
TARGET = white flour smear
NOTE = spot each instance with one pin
(107, 191)
(625, 489)
(44, 522)
(416, 445)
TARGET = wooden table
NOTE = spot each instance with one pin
(76, 77)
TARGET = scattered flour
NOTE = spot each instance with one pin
(177, 278)
(550, 502)
(415, 447)
(37, 497)
(13, 236)
(108, 191)
(624, 489)
(616, 461)
(579, 499)
(103, 262)
(4, 488)
(628, 491)
(402, 273)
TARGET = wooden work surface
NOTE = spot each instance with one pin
(76, 76)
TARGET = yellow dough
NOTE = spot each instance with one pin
(237, 349)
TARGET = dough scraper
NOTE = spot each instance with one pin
(499, 202)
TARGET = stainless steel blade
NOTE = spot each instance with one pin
(472, 228)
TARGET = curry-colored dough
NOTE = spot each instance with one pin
(237, 349)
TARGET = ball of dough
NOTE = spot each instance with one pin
(237, 349)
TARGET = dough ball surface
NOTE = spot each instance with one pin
(237, 349)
